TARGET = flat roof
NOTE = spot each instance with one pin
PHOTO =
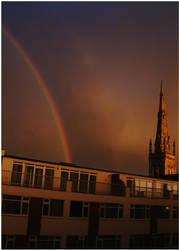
(65, 164)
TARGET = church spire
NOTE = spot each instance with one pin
(161, 141)
(162, 161)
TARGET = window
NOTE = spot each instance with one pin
(158, 190)
(74, 179)
(175, 191)
(140, 211)
(64, 179)
(111, 210)
(108, 241)
(175, 212)
(79, 209)
(15, 205)
(16, 173)
(38, 177)
(140, 187)
(160, 241)
(164, 212)
(49, 176)
(53, 208)
(8, 241)
(28, 176)
(139, 241)
(44, 242)
(83, 183)
(76, 242)
(92, 184)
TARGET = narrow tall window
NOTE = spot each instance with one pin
(92, 184)
(38, 178)
(28, 176)
(64, 179)
(74, 178)
(49, 177)
(16, 174)
(83, 183)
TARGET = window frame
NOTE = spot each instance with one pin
(133, 208)
(48, 203)
(106, 206)
(36, 240)
(22, 200)
(85, 206)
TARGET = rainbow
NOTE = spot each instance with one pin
(43, 86)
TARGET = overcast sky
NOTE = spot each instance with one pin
(103, 64)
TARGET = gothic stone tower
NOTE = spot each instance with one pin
(162, 161)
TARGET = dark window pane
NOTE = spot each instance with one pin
(49, 176)
(38, 177)
(92, 184)
(24, 208)
(64, 179)
(10, 207)
(28, 178)
(11, 197)
(86, 212)
(45, 209)
(56, 208)
(102, 212)
(74, 179)
(76, 209)
(83, 183)
(16, 174)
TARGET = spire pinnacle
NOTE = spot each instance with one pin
(162, 100)
(161, 141)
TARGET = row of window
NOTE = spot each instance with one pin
(54, 242)
(84, 182)
(38, 242)
(43, 177)
(20, 205)
(153, 241)
(144, 188)
(100, 242)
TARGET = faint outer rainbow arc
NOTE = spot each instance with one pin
(36, 74)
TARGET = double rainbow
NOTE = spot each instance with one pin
(43, 86)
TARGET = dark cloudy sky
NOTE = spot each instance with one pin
(102, 63)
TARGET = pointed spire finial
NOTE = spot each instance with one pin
(161, 87)
(162, 101)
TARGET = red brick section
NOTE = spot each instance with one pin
(93, 224)
(34, 219)
(154, 214)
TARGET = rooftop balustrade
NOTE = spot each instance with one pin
(82, 186)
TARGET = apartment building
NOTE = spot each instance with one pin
(59, 205)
